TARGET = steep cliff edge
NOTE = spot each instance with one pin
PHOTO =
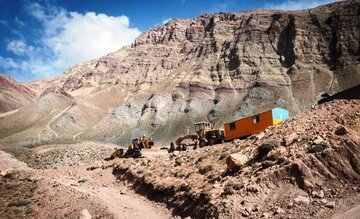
(216, 67)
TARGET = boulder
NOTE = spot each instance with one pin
(84, 214)
(302, 200)
(341, 130)
(235, 161)
(330, 204)
(279, 211)
(318, 140)
(318, 194)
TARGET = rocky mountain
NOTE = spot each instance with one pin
(216, 67)
(14, 95)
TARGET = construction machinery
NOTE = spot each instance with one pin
(205, 135)
(143, 142)
(120, 153)
(134, 149)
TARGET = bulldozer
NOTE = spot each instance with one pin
(205, 135)
(134, 149)
(143, 142)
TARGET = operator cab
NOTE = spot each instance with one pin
(203, 126)
(136, 141)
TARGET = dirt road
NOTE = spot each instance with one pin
(65, 192)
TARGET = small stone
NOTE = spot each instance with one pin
(82, 180)
(280, 211)
(318, 194)
(245, 213)
(248, 209)
(84, 214)
(302, 200)
(176, 153)
(318, 140)
(330, 204)
(266, 215)
(341, 130)
(323, 201)
(3, 172)
(314, 194)
(321, 194)
(290, 205)
(253, 188)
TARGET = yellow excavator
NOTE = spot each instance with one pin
(205, 135)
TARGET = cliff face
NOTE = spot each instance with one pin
(217, 67)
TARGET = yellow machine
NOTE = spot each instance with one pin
(205, 135)
(134, 149)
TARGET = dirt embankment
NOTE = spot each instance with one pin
(67, 180)
(307, 166)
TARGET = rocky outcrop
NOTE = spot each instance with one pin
(217, 68)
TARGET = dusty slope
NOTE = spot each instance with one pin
(305, 167)
(217, 67)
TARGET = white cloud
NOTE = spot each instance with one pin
(68, 38)
(38, 11)
(298, 4)
(5, 23)
(166, 20)
(27, 69)
(8, 63)
(19, 47)
(88, 36)
(19, 22)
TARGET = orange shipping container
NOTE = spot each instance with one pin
(254, 124)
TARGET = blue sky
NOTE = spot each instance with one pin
(43, 38)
